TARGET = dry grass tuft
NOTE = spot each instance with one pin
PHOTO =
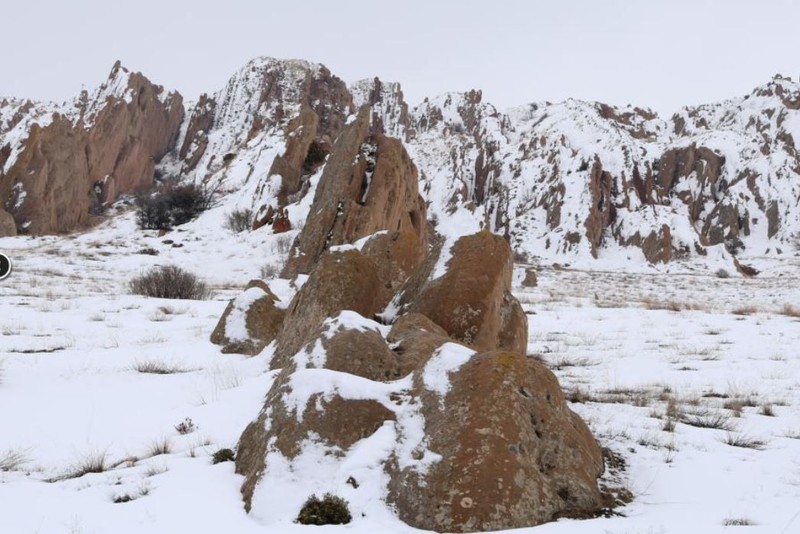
(155, 367)
(745, 310)
(746, 442)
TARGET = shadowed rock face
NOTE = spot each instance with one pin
(70, 168)
(369, 184)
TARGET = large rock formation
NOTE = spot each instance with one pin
(369, 184)
(75, 161)
(469, 440)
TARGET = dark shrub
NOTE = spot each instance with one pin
(171, 206)
(170, 282)
(330, 510)
(239, 220)
(223, 455)
(316, 155)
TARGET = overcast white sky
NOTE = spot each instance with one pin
(656, 53)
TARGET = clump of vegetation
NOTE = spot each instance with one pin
(187, 426)
(330, 510)
(316, 155)
(223, 455)
(270, 271)
(239, 221)
(170, 282)
(172, 205)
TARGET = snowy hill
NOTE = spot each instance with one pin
(114, 405)
(572, 181)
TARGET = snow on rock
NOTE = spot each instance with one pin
(447, 359)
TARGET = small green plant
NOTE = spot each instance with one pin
(223, 455)
(330, 510)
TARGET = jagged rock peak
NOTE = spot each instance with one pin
(390, 115)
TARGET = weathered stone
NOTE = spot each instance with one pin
(414, 339)
(530, 277)
(256, 310)
(331, 419)
(7, 225)
(369, 184)
(61, 163)
(512, 453)
(362, 353)
(341, 281)
(472, 300)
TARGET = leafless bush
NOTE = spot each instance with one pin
(722, 273)
(239, 220)
(159, 447)
(738, 522)
(170, 282)
(745, 310)
(282, 244)
(172, 205)
(708, 419)
(270, 271)
(744, 441)
(12, 460)
(186, 426)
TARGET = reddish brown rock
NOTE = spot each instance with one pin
(397, 255)
(369, 184)
(364, 353)
(601, 210)
(530, 277)
(256, 310)
(330, 419)
(281, 222)
(656, 247)
(512, 453)
(195, 141)
(61, 164)
(415, 338)
(341, 281)
(301, 132)
(472, 301)
(7, 225)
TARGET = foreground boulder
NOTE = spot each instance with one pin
(513, 454)
(462, 440)
(250, 322)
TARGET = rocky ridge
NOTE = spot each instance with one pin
(566, 180)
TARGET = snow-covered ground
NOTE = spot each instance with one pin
(642, 354)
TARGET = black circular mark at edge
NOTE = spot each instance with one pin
(5, 266)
